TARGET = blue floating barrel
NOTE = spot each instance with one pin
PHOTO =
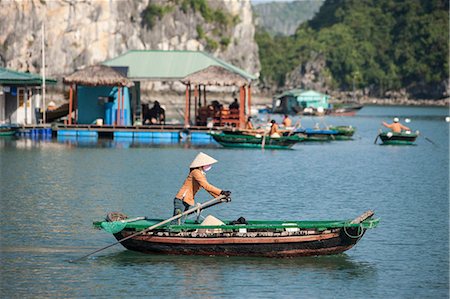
(200, 135)
(67, 133)
(162, 135)
(142, 135)
(108, 113)
(87, 133)
(123, 135)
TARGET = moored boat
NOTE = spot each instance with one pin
(239, 139)
(344, 132)
(345, 110)
(310, 134)
(403, 138)
(7, 131)
(241, 237)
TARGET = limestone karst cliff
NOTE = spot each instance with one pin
(85, 32)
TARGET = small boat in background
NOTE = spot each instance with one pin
(345, 110)
(59, 112)
(248, 140)
(316, 134)
(344, 132)
(403, 138)
(239, 237)
(7, 131)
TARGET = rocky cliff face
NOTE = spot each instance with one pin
(85, 32)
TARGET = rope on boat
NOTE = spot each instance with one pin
(360, 232)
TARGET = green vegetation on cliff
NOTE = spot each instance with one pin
(220, 19)
(282, 18)
(378, 44)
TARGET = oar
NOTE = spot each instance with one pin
(264, 139)
(208, 204)
(429, 140)
(297, 124)
(376, 139)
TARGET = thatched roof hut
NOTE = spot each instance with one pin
(98, 75)
(215, 75)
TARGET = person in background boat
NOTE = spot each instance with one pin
(234, 105)
(396, 126)
(287, 122)
(274, 131)
(157, 114)
(51, 106)
(249, 124)
(196, 180)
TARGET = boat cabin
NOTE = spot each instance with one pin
(295, 101)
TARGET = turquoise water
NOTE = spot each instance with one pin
(52, 190)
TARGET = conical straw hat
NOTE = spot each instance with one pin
(202, 159)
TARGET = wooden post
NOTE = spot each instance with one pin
(118, 107)
(241, 107)
(196, 91)
(70, 104)
(25, 102)
(186, 107)
(122, 119)
(199, 96)
(75, 104)
(204, 95)
(249, 100)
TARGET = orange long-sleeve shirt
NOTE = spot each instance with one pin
(196, 180)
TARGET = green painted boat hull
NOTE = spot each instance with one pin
(390, 138)
(250, 141)
(251, 238)
(4, 133)
(251, 224)
(345, 132)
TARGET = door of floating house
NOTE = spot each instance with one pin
(104, 102)
(99, 92)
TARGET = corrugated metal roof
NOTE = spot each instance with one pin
(169, 65)
(11, 77)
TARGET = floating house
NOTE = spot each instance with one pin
(175, 66)
(20, 97)
(99, 95)
(219, 116)
(296, 100)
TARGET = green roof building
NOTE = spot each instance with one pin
(295, 100)
(160, 65)
(20, 97)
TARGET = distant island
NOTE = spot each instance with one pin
(382, 49)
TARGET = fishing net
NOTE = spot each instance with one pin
(113, 227)
(114, 222)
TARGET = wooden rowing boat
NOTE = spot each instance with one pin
(240, 238)
(7, 131)
(310, 134)
(403, 138)
(241, 140)
(343, 132)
